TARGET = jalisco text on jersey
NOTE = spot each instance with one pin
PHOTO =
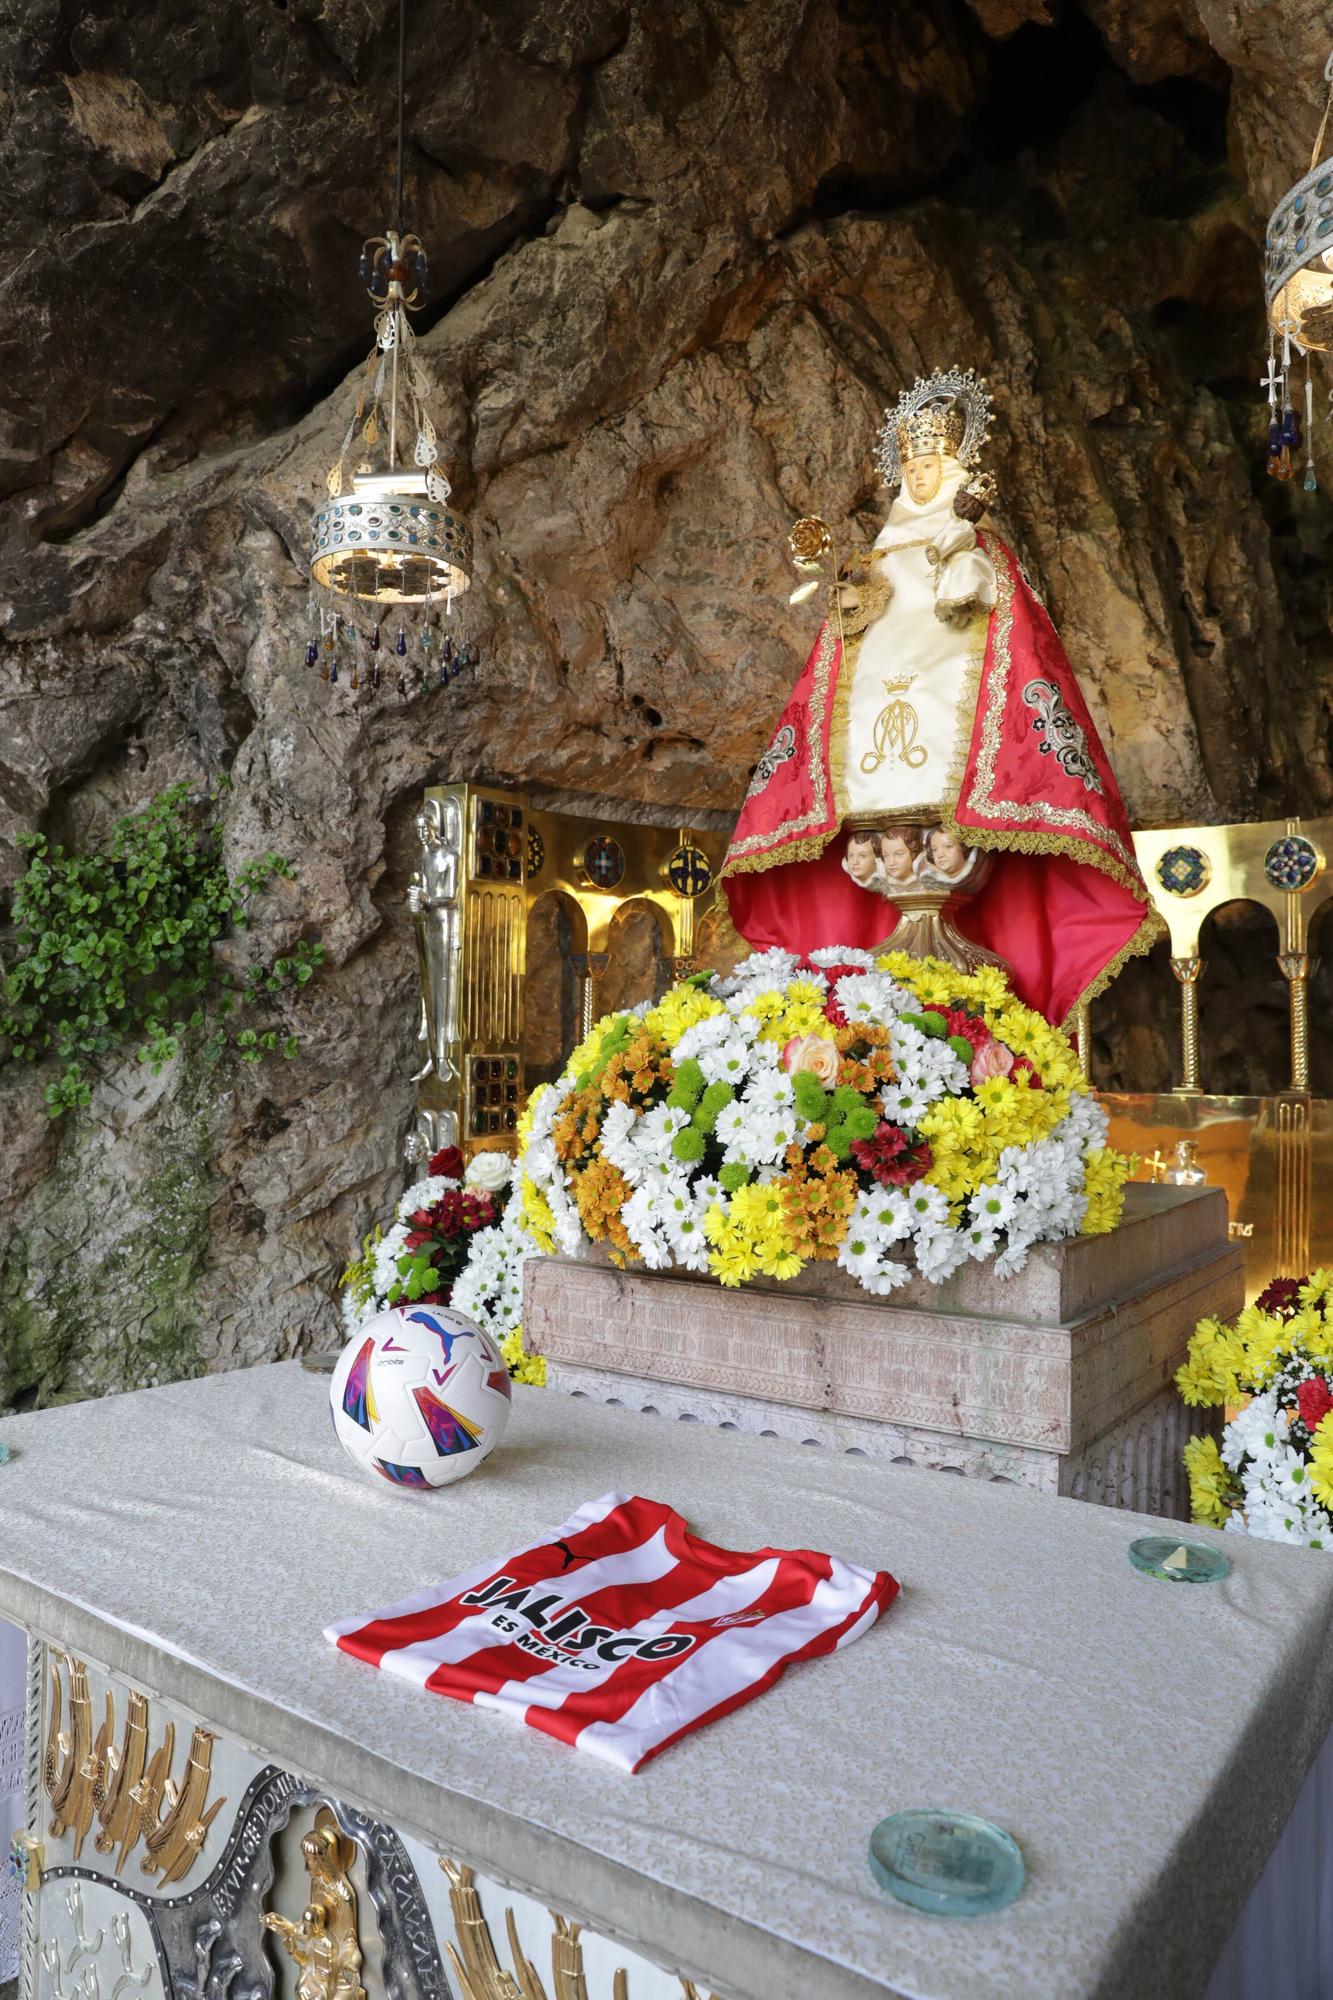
(573, 1631)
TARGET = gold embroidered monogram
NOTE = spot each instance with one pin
(897, 727)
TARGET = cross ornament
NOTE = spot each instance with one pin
(1271, 381)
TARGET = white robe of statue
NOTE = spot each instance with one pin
(910, 700)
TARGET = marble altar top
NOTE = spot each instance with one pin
(1143, 1742)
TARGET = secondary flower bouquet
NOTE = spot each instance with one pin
(1270, 1373)
(888, 1114)
(417, 1260)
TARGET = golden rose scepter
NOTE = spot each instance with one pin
(811, 546)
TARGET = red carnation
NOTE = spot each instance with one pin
(891, 1157)
(1281, 1297)
(1314, 1402)
(833, 973)
(478, 1211)
(447, 1163)
(1024, 1069)
(971, 1027)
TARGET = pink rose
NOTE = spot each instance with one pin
(992, 1060)
(815, 1053)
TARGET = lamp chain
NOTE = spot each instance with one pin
(401, 99)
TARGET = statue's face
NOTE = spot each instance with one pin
(946, 852)
(897, 856)
(922, 476)
(861, 858)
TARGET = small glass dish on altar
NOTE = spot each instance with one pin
(1172, 1561)
(948, 1864)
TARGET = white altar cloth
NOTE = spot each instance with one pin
(1143, 1742)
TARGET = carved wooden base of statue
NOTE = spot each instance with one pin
(926, 874)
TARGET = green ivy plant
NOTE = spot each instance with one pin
(118, 945)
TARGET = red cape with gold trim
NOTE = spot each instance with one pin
(1065, 904)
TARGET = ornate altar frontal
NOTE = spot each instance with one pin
(488, 859)
(237, 1879)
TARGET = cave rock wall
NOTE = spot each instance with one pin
(681, 258)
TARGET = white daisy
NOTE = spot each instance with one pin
(727, 1062)
(992, 1207)
(927, 1207)
(939, 1252)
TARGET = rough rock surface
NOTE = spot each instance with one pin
(680, 259)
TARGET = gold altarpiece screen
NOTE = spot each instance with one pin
(1273, 1154)
(489, 858)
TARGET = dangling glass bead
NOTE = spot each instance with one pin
(374, 638)
(328, 642)
(356, 674)
(375, 675)
(425, 638)
(1274, 438)
(333, 670)
(324, 671)
(444, 673)
(400, 643)
(311, 654)
(447, 651)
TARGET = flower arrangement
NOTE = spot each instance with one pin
(1272, 1375)
(889, 1114)
(419, 1258)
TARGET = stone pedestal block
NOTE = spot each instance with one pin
(1060, 1378)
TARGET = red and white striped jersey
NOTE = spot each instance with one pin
(621, 1631)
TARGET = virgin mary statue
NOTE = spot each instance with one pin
(937, 753)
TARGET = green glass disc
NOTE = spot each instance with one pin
(1172, 1561)
(946, 1863)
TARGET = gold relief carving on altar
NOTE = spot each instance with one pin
(476, 1964)
(175, 1839)
(325, 1942)
(119, 1784)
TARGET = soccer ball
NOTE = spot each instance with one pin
(420, 1396)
